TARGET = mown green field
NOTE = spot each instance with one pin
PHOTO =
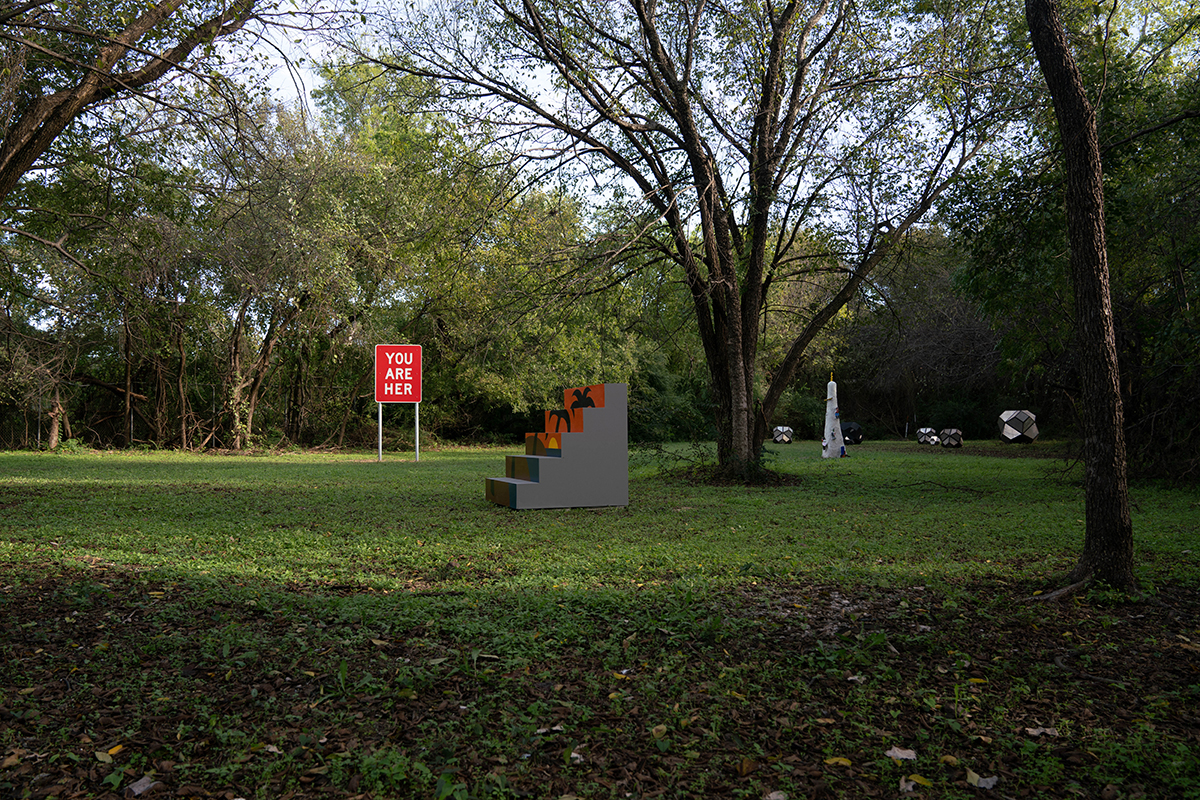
(899, 515)
(325, 624)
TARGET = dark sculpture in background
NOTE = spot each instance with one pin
(1018, 427)
(852, 432)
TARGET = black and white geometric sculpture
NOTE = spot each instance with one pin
(951, 437)
(852, 432)
(782, 434)
(927, 436)
(1018, 427)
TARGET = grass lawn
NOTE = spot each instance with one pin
(325, 625)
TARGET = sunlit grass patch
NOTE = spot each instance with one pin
(891, 514)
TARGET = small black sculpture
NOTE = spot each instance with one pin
(852, 432)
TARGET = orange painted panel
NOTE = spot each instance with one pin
(562, 420)
(542, 444)
(584, 397)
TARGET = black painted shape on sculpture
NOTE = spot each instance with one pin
(564, 416)
(582, 399)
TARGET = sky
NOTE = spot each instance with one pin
(289, 83)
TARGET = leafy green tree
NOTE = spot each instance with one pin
(915, 352)
(211, 277)
(97, 106)
(67, 287)
(64, 59)
(1140, 68)
(1122, 139)
(725, 133)
(490, 277)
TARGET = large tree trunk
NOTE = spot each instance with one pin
(56, 413)
(181, 387)
(1108, 539)
(234, 382)
(128, 417)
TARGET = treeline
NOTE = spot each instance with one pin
(225, 287)
(234, 292)
(213, 270)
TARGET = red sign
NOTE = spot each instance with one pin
(397, 373)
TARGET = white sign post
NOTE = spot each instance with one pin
(398, 380)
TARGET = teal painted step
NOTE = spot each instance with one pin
(503, 491)
(526, 468)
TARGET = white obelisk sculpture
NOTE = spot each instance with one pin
(833, 445)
